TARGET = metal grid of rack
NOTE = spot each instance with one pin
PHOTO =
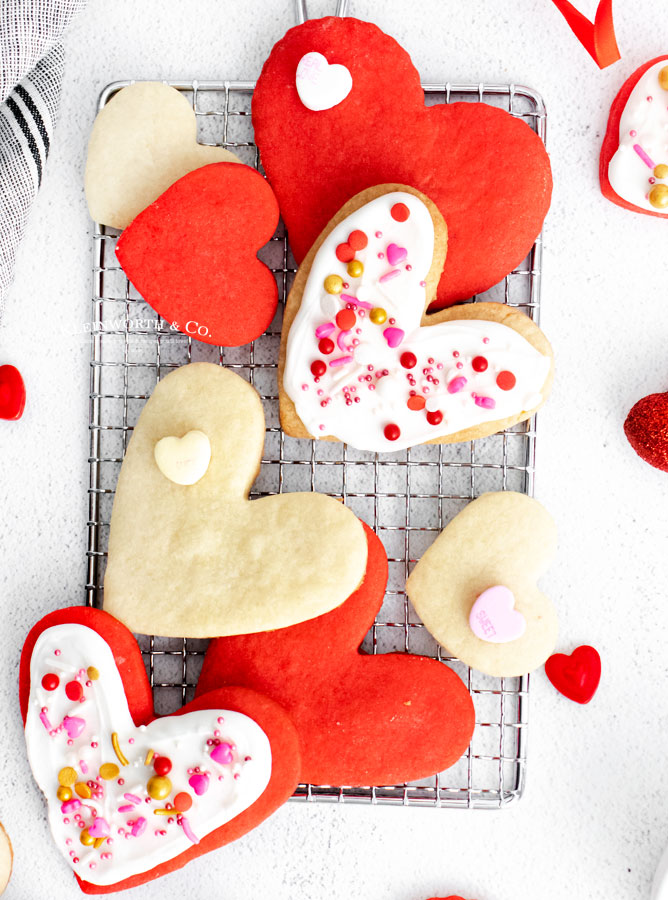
(407, 497)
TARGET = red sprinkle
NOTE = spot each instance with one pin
(400, 212)
(357, 240)
(408, 360)
(183, 801)
(162, 765)
(318, 367)
(392, 432)
(435, 417)
(344, 252)
(479, 364)
(73, 690)
(416, 403)
(50, 682)
(326, 346)
(345, 319)
(506, 380)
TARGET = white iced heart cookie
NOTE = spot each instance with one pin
(475, 587)
(183, 460)
(204, 560)
(361, 361)
(321, 85)
(111, 813)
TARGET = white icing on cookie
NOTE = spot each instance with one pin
(643, 141)
(64, 732)
(455, 375)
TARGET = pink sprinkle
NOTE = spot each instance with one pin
(379, 234)
(354, 302)
(388, 276)
(304, 387)
(131, 740)
(121, 781)
(649, 99)
(393, 336)
(643, 156)
(70, 806)
(92, 865)
(485, 402)
(45, 720)
(460, 365)
(457, 384)
(187, 830)
(423, 284)
(341, 341)
(485, 340)
(220, 720)
(323, 330)
(321, 428)
(372, 387)
(56, 652)
(83, 766)
(340, 361)
(125, 808)
(381, 256)
(652, 180)
(409, 268)
(222, 754)
(139, 827)
(105, 855)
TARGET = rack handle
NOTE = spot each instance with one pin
(301, 12)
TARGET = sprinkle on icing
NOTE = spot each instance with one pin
(100, 822)
(393, 383)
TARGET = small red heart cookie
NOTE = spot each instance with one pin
(633, 167)
(575, 676)
(12, 393)
(192, 254)
(646, 428)
(486, 170)
(362, 719)
(131, 796)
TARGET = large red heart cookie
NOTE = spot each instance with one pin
(486, 170)
(131, 796)
(633, 167)
(362, 719)
(192, 254)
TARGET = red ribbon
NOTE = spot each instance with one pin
(598, 38)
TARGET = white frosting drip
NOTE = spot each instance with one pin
(628, 172)
(181, 738)
(383, 400)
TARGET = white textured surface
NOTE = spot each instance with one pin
(595, 817)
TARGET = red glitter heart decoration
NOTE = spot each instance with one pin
(12, 393)
(575, 676)
(486, 170)
(646, 428)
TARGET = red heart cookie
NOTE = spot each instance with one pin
(362, 719)
(12, 393)
(575, 676)
(486, 170)
(131, 796)
(646, 428)
(192, 254)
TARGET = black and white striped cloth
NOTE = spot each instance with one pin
(31, 71)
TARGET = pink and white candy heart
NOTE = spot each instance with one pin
(493, 616)
(321, 85)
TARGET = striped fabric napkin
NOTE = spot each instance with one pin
(31, 71)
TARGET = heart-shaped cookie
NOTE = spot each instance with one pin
(633, 167)
(192, 254)
(6, 859)
(362, 362)
(485, 169)
(501, 539)
(142, 141)
(646, 428)
(361, 719)
(122, 809)
(12, 393)
(202, 560)
(576, 676)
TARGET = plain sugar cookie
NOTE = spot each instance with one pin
(475, 587)
(201, 559)
(142, 141)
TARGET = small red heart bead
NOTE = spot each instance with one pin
(12, 393)
(575, 676)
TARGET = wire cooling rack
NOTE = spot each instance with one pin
(407, 497)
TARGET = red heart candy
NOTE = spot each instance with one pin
(362, 719)
(486, 170)
(192, 254)
(127, 656)
(12, 393)
(646, 428)
(575, 676)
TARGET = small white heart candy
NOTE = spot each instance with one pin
(319, 85)
(183, 460)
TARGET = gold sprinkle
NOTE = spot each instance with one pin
(149, 758)
(64, 794)
(98, 842)
(86, 838)
(67, 776)
(109, 771)
(117, 749)
(83, 790)
(92, 673)
(164, 812)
